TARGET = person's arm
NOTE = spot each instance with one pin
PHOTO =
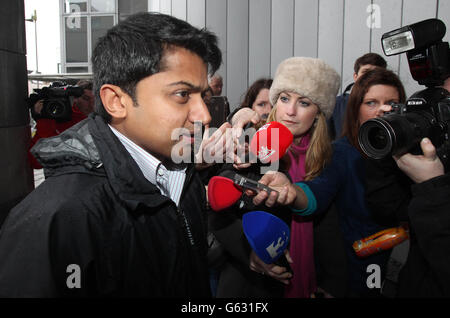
(305, 197)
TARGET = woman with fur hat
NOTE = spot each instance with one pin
(303, 94)
(343, 180)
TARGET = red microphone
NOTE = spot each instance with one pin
(271, 142)
(223, 192)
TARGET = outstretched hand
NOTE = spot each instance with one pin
(279, 182)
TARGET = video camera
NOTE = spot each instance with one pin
(57, 103)
(427, 112)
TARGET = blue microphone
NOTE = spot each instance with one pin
(268, 236)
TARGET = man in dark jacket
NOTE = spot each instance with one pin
(116, 215)
(362, 64)
(426, 272)
(418, 192)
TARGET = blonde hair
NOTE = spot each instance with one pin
(319, 151)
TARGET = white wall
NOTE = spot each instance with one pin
(48, 38)
(255, 35)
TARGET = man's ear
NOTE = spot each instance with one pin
(115, 100)
(355, 76)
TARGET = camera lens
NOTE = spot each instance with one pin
(393, 134)
(376, 138)
(55, 109)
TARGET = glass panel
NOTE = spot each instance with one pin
(103, 6)
(76, 39)
(77, 69)
(99, 26)
(127, 7)
(75, 6)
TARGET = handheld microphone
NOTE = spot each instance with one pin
(271, 142)
(227, 189)
(268, 236)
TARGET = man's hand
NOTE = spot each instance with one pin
(276, 272)
(214, 147)
(243, 117)
(238, 122)
(421, 167)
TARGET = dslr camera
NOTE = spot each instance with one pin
(57, 101)
(427, 112)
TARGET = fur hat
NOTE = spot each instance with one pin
(308, 77)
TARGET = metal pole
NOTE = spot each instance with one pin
(36, 40)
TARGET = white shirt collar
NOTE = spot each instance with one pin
(169, 182)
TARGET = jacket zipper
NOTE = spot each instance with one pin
(180, 212)
(185, 225)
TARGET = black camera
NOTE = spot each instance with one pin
(427, 112)
(57, 101)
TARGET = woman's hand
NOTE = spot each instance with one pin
(278, 181)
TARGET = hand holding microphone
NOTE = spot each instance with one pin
(271, 142)
(269, 237)
(277, 271)
(287, 192)
(227, 189)
(268, 144)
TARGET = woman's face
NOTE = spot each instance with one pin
(296, 112)
(261, 105)
(377, 100)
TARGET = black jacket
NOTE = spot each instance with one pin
(426, 207)
(427, 271)
(96, 210)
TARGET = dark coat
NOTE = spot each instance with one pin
(96, 210)
(336, 121)
(425, 206)
(427, 271)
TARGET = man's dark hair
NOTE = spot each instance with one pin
(134, 49)
(85, 84)
(369, 59)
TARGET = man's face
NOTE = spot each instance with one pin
(85, 103)
(166, 101)
(363, 69)
(216, 86)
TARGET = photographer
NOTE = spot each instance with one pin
(45, 127)
(426, 272)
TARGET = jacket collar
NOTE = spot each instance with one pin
(123, 173)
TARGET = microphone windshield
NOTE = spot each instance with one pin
(267, 234)
(271, 141)
(222, 193)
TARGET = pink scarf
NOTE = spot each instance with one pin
(303, 282)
